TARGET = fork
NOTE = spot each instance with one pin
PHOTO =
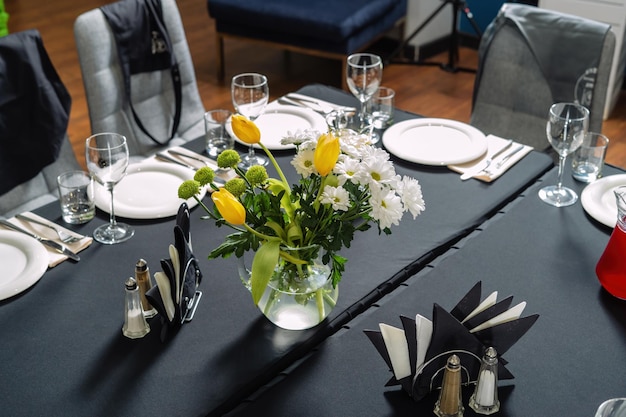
(491, 171)
(63, 235)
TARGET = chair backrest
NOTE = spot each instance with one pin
(530, 58)
(34, 112)
(152, 92)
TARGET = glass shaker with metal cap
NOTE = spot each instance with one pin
(135, 324)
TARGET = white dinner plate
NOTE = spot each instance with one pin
(598, 199)
(278, 120)
(435, 141)
(148, 191)
(23, 260)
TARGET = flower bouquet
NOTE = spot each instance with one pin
(297, 231)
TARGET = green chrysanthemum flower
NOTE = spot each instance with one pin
(228, 159)
(256, 175)
(236, 186)
(204, 176)
(188, 189)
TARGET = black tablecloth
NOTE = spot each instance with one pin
(63, 353)
(569, 362)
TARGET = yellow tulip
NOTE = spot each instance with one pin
(229, 207)
(246, 129)
(326, 154)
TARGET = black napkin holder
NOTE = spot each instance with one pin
(451, 336)
(189, 275)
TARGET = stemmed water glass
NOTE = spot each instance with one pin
(107, 160)
(364, 73)
(250, 94)
(565, 129)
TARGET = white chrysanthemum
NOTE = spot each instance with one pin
(299, 137)
(411, 194)
(348, 169)
(354, 144)
(377, 170)
(374, 152)
(338, 197)
(303, 162)
(386, 207)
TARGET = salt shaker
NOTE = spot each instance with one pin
(449, 403)
(142, 276)
(135, 325)
(484, 400)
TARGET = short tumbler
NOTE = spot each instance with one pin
(76, 195)
(588, 159)
(217, 138)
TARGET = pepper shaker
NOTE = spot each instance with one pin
(450, 403)
(142, 276)
(135, 324)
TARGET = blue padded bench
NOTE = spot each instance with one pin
(326, 28)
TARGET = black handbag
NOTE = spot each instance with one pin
(143, 45)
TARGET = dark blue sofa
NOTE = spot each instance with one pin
(327, 28)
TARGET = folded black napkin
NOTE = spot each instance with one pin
(176, 294)
(467, 331)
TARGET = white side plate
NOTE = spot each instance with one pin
(23, 260)
(598, 199)
(435, 141)
(278, 120)
(148, 191)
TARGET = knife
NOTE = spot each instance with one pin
(166, 158)
(174, 161)
(206, 161)
(508, 156)
(324, 106)
(50, 243)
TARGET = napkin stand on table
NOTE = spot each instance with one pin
(176, 295)
(54, 257)
(418, 360)
(494, 144)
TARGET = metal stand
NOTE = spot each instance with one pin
(453, 50)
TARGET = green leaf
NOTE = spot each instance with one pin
(263, 266)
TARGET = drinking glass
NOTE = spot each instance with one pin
(364, 73)
(250, 94)
(565, 122)
(107, 159)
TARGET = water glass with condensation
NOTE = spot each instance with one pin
(217, 137)
(615, 407)
(588, 159)
(76, 195)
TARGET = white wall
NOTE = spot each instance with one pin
(417, 12)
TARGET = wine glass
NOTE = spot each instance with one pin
(364, 73)
(250, 94)
(107, 160)
(566, 128)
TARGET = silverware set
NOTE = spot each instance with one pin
(48, 242)
(63, 235)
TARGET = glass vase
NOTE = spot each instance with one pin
(298, 296)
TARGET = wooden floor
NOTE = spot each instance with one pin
(426, 90)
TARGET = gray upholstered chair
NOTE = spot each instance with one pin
(530, 58)
(152, 93)
(42, 189)
(34, 111)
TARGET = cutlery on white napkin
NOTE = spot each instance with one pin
(500, 164)
(54, 257)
